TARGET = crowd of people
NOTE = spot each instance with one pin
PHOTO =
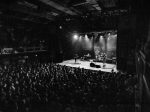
(36, 86)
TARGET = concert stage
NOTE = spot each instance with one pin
(86, 65)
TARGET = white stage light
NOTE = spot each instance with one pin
(86, 37)
(75, 36)
(80, 38)
(60, 27)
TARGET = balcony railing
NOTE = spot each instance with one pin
(6, 51)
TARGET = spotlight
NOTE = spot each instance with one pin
(80, 37)
(101, 37)
(86, 37)
(75, 36)
(60, 27)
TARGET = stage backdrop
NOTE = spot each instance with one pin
(82, 45)
(105, 44)
(101, 44)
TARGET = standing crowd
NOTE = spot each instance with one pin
(33, 86)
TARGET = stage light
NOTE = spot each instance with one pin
(60, 27)
(80, 38)
(75, 36)
(86, 37)
(101, 38)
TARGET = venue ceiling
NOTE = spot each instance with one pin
(45, 11)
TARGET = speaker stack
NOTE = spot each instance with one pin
(94, 65)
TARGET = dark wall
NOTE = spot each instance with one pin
(15, 33)
(126, 43)
(144, 33)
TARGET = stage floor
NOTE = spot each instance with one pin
(86, 65)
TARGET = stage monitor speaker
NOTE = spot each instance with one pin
(97, 66)
(92, 64)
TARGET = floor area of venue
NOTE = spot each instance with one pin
(86, 65)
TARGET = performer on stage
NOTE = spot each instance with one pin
(75, 57)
